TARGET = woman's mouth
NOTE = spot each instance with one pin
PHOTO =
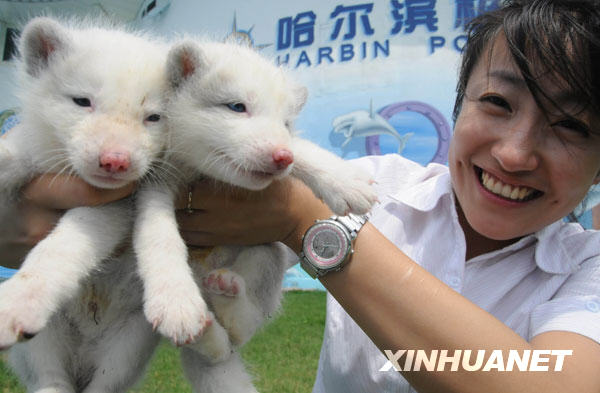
(506, 191)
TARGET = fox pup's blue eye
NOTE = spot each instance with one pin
(81, 101)
(237, 107)
(153, 118)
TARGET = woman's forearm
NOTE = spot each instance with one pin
(400, 306)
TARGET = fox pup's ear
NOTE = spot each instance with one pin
(184, 61)
(41, 40)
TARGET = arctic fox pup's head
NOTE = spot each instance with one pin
(231, 113)
(94, 96)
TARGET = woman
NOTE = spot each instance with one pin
(470, 257)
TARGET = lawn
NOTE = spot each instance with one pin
(283, 356)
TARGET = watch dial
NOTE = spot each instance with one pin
(326, 244)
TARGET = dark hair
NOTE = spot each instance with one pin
(561, 35)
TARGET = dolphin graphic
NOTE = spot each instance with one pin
(363, 123)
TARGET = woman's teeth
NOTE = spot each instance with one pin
(495, 186)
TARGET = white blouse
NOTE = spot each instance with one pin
(549, 280)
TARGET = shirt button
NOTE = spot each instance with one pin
(592, 306)
(454, 282)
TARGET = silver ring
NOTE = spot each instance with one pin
(189, 202)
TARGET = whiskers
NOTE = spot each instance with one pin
(229, 163)
(225, 163)
(61, 160)
(162, 172)
(216, 158)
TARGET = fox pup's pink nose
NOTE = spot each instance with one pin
(282, 158)
(114, 162)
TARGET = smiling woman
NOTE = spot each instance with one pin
(506, 144)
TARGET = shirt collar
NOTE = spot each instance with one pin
(426, 192)
(562, 247)
(559, 247)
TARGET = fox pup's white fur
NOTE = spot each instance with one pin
(92, 101)
(231, 115)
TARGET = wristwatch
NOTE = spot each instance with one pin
(327, 244)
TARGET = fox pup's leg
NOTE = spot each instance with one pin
(247, 292)
(172, 300)
(228, 376)
(53, 270)
(122, 354)
(214, 345)
(41, 363)
(342, 187)
(15, 168)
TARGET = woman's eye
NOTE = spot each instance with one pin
(82, 101)
(497, 101)
(237, 107)
(153, 118)
(573, 125)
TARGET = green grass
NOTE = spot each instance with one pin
(283, 356)
(8, 382)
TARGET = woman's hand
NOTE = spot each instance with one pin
(43, 201)
(222, 214)
(228, 215)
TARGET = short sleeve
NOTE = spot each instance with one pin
(575, 307)
(394, 174)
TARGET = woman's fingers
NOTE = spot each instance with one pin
(42, 203)
(229, 215)
(66, 192)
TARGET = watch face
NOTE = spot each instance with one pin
(326, 245)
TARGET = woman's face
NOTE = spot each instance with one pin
(515, 169)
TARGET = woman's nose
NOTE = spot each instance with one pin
(517, 149)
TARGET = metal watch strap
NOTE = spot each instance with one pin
(308, 268)
(352, 222)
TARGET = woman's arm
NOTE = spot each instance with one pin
(397, 303)
(400, 305)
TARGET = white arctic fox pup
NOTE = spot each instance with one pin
(231, 116)
(92, 101)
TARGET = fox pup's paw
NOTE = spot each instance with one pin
(350, 191)
(24, 309)
(224, 282)
(178, 311)
(231, 305)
